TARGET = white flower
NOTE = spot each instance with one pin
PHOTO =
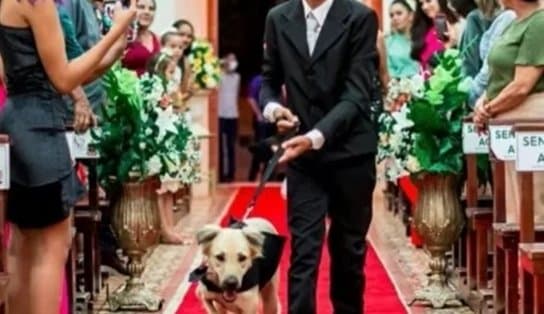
(401, 119)
(154, 165)
(166, 121)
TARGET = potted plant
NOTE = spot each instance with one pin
(138, 141)
(435, 162)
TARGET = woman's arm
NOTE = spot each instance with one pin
(65, 76)
(529, 69)
(384, 73)
(517, 91)
(113, 54)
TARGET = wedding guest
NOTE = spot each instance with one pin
(229, 92)
(173, 45)
(147, 44)
(426, 42)
(397, 44)
(478, 16)
(479, 84)
(187, 32)
(43, 184)
(88, 33)
(262, 129)
(516, 88)
(164, 65)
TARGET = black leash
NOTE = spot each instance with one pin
(269, 170)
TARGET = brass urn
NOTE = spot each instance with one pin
(439, 220)
(137, 227)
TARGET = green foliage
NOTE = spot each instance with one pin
(438, 118)
(134, 130)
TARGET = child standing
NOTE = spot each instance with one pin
(165, 66)
(172, 43)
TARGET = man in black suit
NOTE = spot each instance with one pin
(324, 51)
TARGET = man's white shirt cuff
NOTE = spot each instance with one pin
(317, 138)
(268, 112)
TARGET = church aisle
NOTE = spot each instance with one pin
(169, 265)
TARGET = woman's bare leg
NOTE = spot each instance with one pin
(38, 258)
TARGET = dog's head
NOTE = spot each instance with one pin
(230, 253)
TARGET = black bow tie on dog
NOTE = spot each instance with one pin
(260, 272)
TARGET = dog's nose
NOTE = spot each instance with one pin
(230, 283)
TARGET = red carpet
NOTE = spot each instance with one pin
(380, 295)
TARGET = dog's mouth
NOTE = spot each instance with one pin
(229, 296)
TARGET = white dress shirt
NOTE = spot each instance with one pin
(315, 18)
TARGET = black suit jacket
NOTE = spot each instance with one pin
(331, 90)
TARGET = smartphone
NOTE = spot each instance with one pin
(109, 7)
(441, 26)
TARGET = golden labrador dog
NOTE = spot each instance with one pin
(236, 276)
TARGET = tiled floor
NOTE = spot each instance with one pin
(168, 266)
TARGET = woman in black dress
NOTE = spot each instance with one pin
(43, 183)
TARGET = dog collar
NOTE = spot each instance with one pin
(250, 280)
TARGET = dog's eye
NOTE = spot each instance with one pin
(242, 258)
(220, 257)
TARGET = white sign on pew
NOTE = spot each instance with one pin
(530, 147)
(474, 143)
(81, 145)
(4, 166)
(503, 142)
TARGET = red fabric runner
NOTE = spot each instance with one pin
(410, 191)
(380, 294)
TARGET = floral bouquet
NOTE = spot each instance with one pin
(395, 136)
(137, 137)
(205, 65)
(437, 119)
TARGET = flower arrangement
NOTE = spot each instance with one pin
(421, 128)
(395, 137)
(138, 136)
(205, 65)
(437, 119)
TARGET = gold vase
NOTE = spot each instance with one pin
(136, 224)
(439, 220)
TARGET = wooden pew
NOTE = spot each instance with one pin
(479, 219)
(4, 186)
(530, 159)
(505, 235)
(87, 218)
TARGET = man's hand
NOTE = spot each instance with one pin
(285, 120)
(83, 115)
(295, 147)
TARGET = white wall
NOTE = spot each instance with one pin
(164, 16)
(168, 11)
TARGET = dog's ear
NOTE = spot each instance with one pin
(205, 236)
(256, 241)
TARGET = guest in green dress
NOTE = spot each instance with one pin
(516, 88)
(398, 44)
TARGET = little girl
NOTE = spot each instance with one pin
(164, 65)
(172, 43)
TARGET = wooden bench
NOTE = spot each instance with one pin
(4, 186)
(87, 218)
(529, 137)
(479, 219)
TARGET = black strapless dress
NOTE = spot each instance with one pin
(44, 187)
